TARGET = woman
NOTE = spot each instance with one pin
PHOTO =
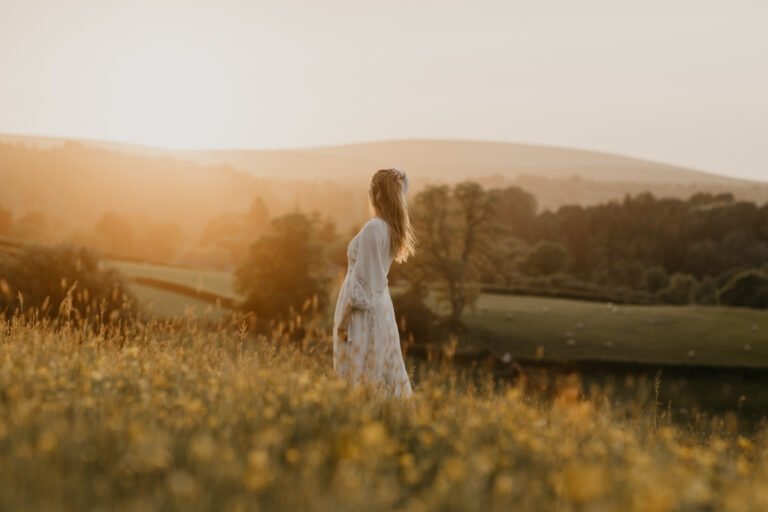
(366, 341)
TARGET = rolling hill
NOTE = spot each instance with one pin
(458, 159)
(431, 160)
(556, 176)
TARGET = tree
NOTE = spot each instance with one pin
(226, 232)
(33, 226)
(256, 220)
(456, 229)
(515, 209)
(655, 279)
(545, 259)
(284, 268)
(235, 232)
(747, 289)
(160, 241)
(118, 232)
(55, 280)
(6, 222)
(706, 292)
(680, 290)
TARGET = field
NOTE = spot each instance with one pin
(172, 417)
(577, 330)
(160, 303)
(532, 327)
(166, 291)
(218, 282)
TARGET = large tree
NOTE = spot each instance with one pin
(456, 228)
(284, 268)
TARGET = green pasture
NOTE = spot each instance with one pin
(214, 281)
(164, 304)
(532, 327)
(565, 329)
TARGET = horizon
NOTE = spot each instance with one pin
(757, 179)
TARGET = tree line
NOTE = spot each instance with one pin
(707, 249)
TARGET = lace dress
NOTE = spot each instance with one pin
(372, 352)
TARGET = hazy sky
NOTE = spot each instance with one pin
(683, 81)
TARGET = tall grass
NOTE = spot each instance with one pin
(177, 416)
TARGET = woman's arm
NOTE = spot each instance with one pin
(342, 329)
(367, 275)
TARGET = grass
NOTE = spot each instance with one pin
(162, 302)
(564, 329)
(165, 304)
(531, 327)
(536, 327)
(170, 416)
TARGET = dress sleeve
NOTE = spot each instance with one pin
(369, 274)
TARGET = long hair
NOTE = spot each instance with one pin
(388, 200)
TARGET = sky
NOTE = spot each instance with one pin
(682, 82)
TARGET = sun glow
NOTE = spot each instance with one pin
(168, 75)
(680, 84)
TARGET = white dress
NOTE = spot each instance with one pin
(372, 351)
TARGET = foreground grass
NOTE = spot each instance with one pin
(173, 417)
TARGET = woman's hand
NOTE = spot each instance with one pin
(342, 329)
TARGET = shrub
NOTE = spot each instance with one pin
(746, 289)
(706, 292)
(655, 279)
(63, 280)
(547, 258)
(416, 320)
(680, 289)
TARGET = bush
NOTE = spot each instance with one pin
(416, 320)
(747, 289)
(63, 280)
(655, 279)
(545, 259)
(680, 290)
(706, 292)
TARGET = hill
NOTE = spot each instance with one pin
(450, 160)
(556, 176)
(72, 184)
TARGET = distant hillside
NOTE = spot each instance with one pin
(59, 190)
(457, 159)
(556, 176)
(73, 184)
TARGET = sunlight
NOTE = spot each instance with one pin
(174, 88)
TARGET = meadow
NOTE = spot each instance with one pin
(540, 327)
(167, 291)
(697, 353)
(170, 416)
(214, 281)
(564, 329)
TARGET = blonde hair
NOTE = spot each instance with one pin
(388, 200)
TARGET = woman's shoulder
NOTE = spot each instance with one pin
(375, 225)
